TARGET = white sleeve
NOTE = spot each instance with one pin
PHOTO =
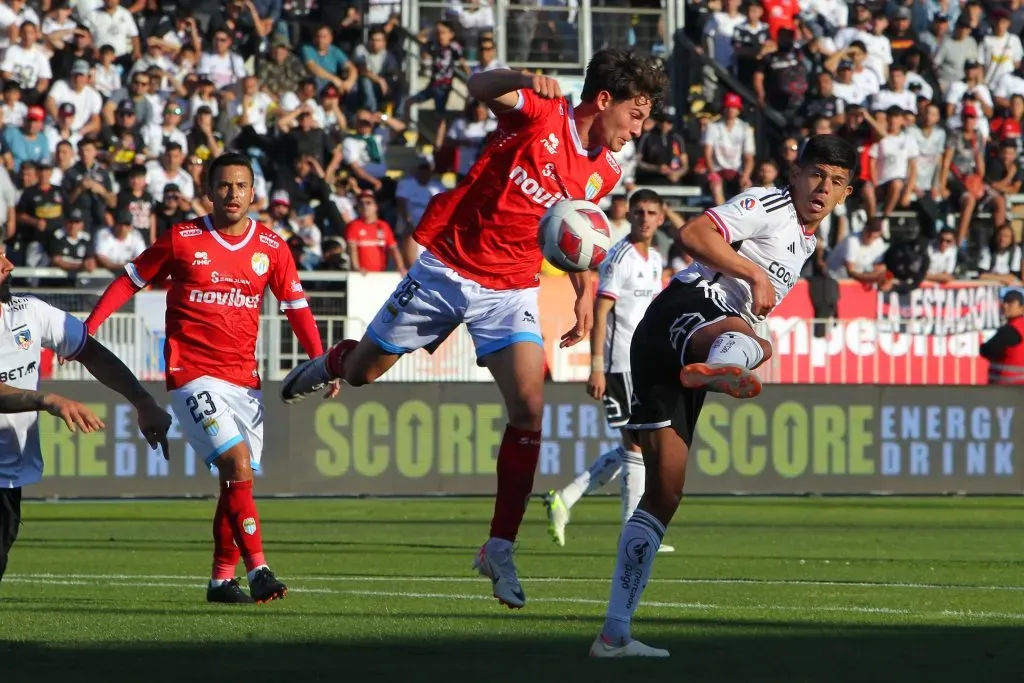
(1015, 260)
(61, 332)
(749, 214)
(748, 141)
(984, 94)
(131, 29)
(913, 151)
(350, 151)
(103, 240)
(1002, 87)
(610, 277)
(985, 262)
(44, 72)
(8, 63)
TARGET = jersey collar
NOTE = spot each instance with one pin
(208, 223)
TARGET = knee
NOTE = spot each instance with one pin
(766, 349)
(235, 464)
(527, 412)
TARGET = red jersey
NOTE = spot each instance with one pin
(780, 14)
(372, 243)
(216, 291)
(486, 228)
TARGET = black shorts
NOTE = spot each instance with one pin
(618, 396)
(10, 520)
(657, 354)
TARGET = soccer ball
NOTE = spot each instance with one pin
(575, 235)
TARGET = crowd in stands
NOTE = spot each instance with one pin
(111, 109)
(930, 91)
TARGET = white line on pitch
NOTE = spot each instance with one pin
(482, 597)
(555, 579)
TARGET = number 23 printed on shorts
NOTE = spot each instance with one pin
(202, 408)
(404, 293)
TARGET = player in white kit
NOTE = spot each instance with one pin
(28, 325)
(630, 278)
(697, 336)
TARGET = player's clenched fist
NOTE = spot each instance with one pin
(546, 87)
(75, 415)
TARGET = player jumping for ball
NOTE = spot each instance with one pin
(697, 336)
(219, 267)
(482, 262)
(630, 278)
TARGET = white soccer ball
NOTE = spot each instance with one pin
(575, 235)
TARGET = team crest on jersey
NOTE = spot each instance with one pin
(748, 203)
(594, 184)
(249, 525)
(23, 338)
(260, 263)
(210, 426)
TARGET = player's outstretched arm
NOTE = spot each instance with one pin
(114, 297)
(154, 422)
(498, 88)
(75, 415)
(703, 241)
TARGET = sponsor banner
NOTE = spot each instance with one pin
(419, 439)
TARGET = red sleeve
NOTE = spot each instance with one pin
(149, 264)
(116, 296)
(304, 326)
(286, 286)
(531, 107)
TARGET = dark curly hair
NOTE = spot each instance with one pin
(626, 75)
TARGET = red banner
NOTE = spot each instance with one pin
(929, 336)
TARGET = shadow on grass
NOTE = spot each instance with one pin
(769, 653)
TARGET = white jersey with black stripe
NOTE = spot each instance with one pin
(632, 281)
(29, 325)
(761, 225)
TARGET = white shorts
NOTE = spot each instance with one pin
(216, 415)
(433, 300)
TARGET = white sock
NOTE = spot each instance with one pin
(736, 348)
(214, 583)
(638, 546)
(250, 574)
(633, 473)
(602, 471)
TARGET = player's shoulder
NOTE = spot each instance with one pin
(761, 198)
(619, 252)
(265, 238)
(193, 227)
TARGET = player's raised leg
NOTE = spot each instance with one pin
(729, 351)
(518, 370)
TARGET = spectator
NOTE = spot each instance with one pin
(253, 107)
(413, 194)
(954, 53)
(902, 38)
(1001, 259)
(380, 73)
(168, 170)
(970, 91)
(90, 186)
(942, 257)
(172, 210)
(280, 215)
(86, 103)
(469, 133)
(117, 246)
(156, 136)
(106, 76)
(328, 63)
(963, 169)
(719, 31)
(13, 110)
(370, 239)
(138, 203)
(202, 137)
(1007, 86)
(618, 217)
(894, 164)
(335, 256)
(307, 231)
(782, 78)
(824, 103)
(768, 175)
(749, 43)
(223, 67)
(729, 151)
(1000, 53)
(123, 140)
(28, 64)
(364, 151)
(283, 71)
(27, 143)
(662, 152)
(58, 28)
(446, 57)
(895, 93)
(1004, 174)
(860, 256)
(135, 95)
(64, 159)
(488, 56)
(115, 26)
(61, 131)
(71, 247)
(930, 140)
(40, 212)
(936, 34)
(241, 21)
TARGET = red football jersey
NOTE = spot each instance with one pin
(780, 14)
(486, 228)
(215, 295)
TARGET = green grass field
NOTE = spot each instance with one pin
(785, 590)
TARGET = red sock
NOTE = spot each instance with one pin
(225, 552)
(245, 521)
(336, 357)
(517, 463)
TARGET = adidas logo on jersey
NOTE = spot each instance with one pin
(792, 247)
(532, 188)
(235, 298)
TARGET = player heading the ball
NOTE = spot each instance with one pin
(482, 262)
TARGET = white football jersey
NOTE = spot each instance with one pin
(762, 226)
(632, 281)
(28, 326)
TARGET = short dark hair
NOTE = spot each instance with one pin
(136, 171)
(375, 31)
(224, 161)
(626, 75)
(645, 195)
(830, 150)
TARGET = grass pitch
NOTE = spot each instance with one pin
(778, 590)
